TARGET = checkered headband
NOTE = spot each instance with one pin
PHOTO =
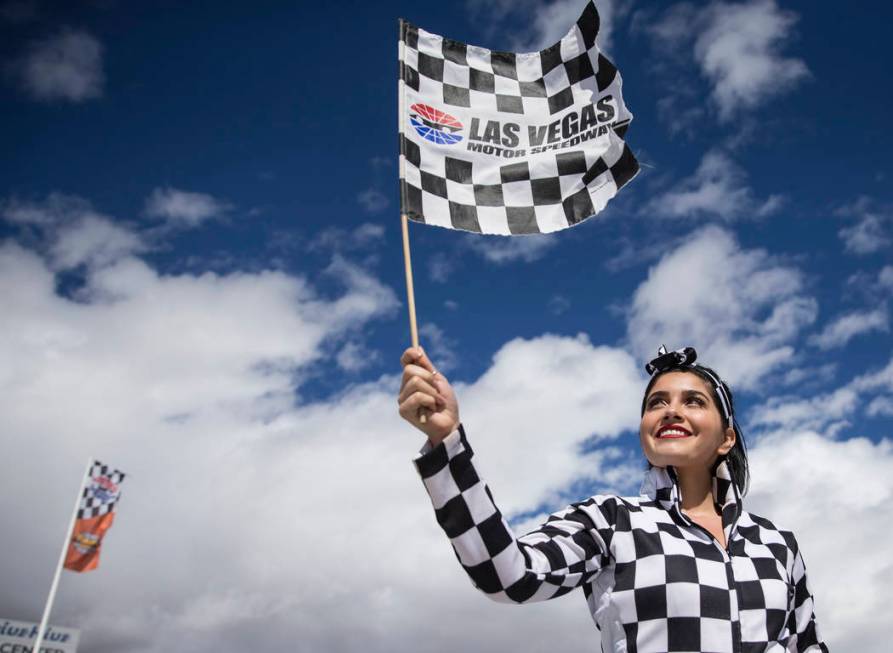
(510, 143)
(101, 492)
(683, 358)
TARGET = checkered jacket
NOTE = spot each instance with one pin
(655, 581)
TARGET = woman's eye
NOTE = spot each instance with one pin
(696, 401)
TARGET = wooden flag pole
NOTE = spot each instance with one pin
(410, 293)
(410, 296)
(55, 585)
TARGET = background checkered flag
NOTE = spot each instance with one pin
(510, 143)
(101, 492)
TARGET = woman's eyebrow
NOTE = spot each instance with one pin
(687, 393)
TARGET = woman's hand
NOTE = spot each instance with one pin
(425, 389)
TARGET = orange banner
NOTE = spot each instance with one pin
(83, 550)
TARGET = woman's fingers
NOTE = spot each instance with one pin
(418, 384)
(413, 371)
(409, 407)
(417, 356)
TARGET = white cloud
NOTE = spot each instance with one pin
(505, 249)
(880, 406)
(718, 187)
(867, 236)
(94, 240)
(183, 208)
(249, 515)
(829, 412)
(373, 200)
(66, 66)
(365, 236)
(246, 515)
(551, 21)
(57, 208)
(72, 232)
(846, 327)
(817, 486)
(871, 231)
(803, 377)
(736, 47)
(739, 52)
(546, 22)
(355, 357)
(741, 309)
(439, 346)
(440, 267)
(885, 277)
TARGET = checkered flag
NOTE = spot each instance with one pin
(510, 143)
(101, 492)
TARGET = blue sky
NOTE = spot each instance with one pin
(202, 282)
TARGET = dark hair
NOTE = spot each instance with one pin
(736, 458)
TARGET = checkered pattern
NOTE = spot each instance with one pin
(654, 581)
(448, 185)
(97, 498)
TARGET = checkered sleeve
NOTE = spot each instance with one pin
(805, 637)
(564, 553)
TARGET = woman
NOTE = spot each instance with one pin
(682, 567)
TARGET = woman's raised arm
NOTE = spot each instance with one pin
(562, 554)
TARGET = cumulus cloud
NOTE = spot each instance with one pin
(73, 232)
(867, 236)
(65, 66)
(365, 236)
(55, 209)
(880, 406)
(248, 515)
(742, 309)
(355, 357)
(739, 51)
(828, 412)
(871, 228)
(502, 250)
(718, 187)
(373, 200)
(93, 240)
(544, 23)
(812, 485)
(846, 327)
(183, 208)
(439, 346)
(737, 47)
(251, 514)
(870, 232)
(440, 267)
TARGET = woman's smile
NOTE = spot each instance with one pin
(672, 431)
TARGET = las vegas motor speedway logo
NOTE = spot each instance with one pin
(435, 125)
(508, 139)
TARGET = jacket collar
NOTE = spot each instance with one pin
(662, 485)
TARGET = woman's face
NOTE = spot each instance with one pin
(681, 425)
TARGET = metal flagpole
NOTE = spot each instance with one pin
(404, 221)
(55, 585)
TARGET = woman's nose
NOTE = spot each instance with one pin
(671, 411)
